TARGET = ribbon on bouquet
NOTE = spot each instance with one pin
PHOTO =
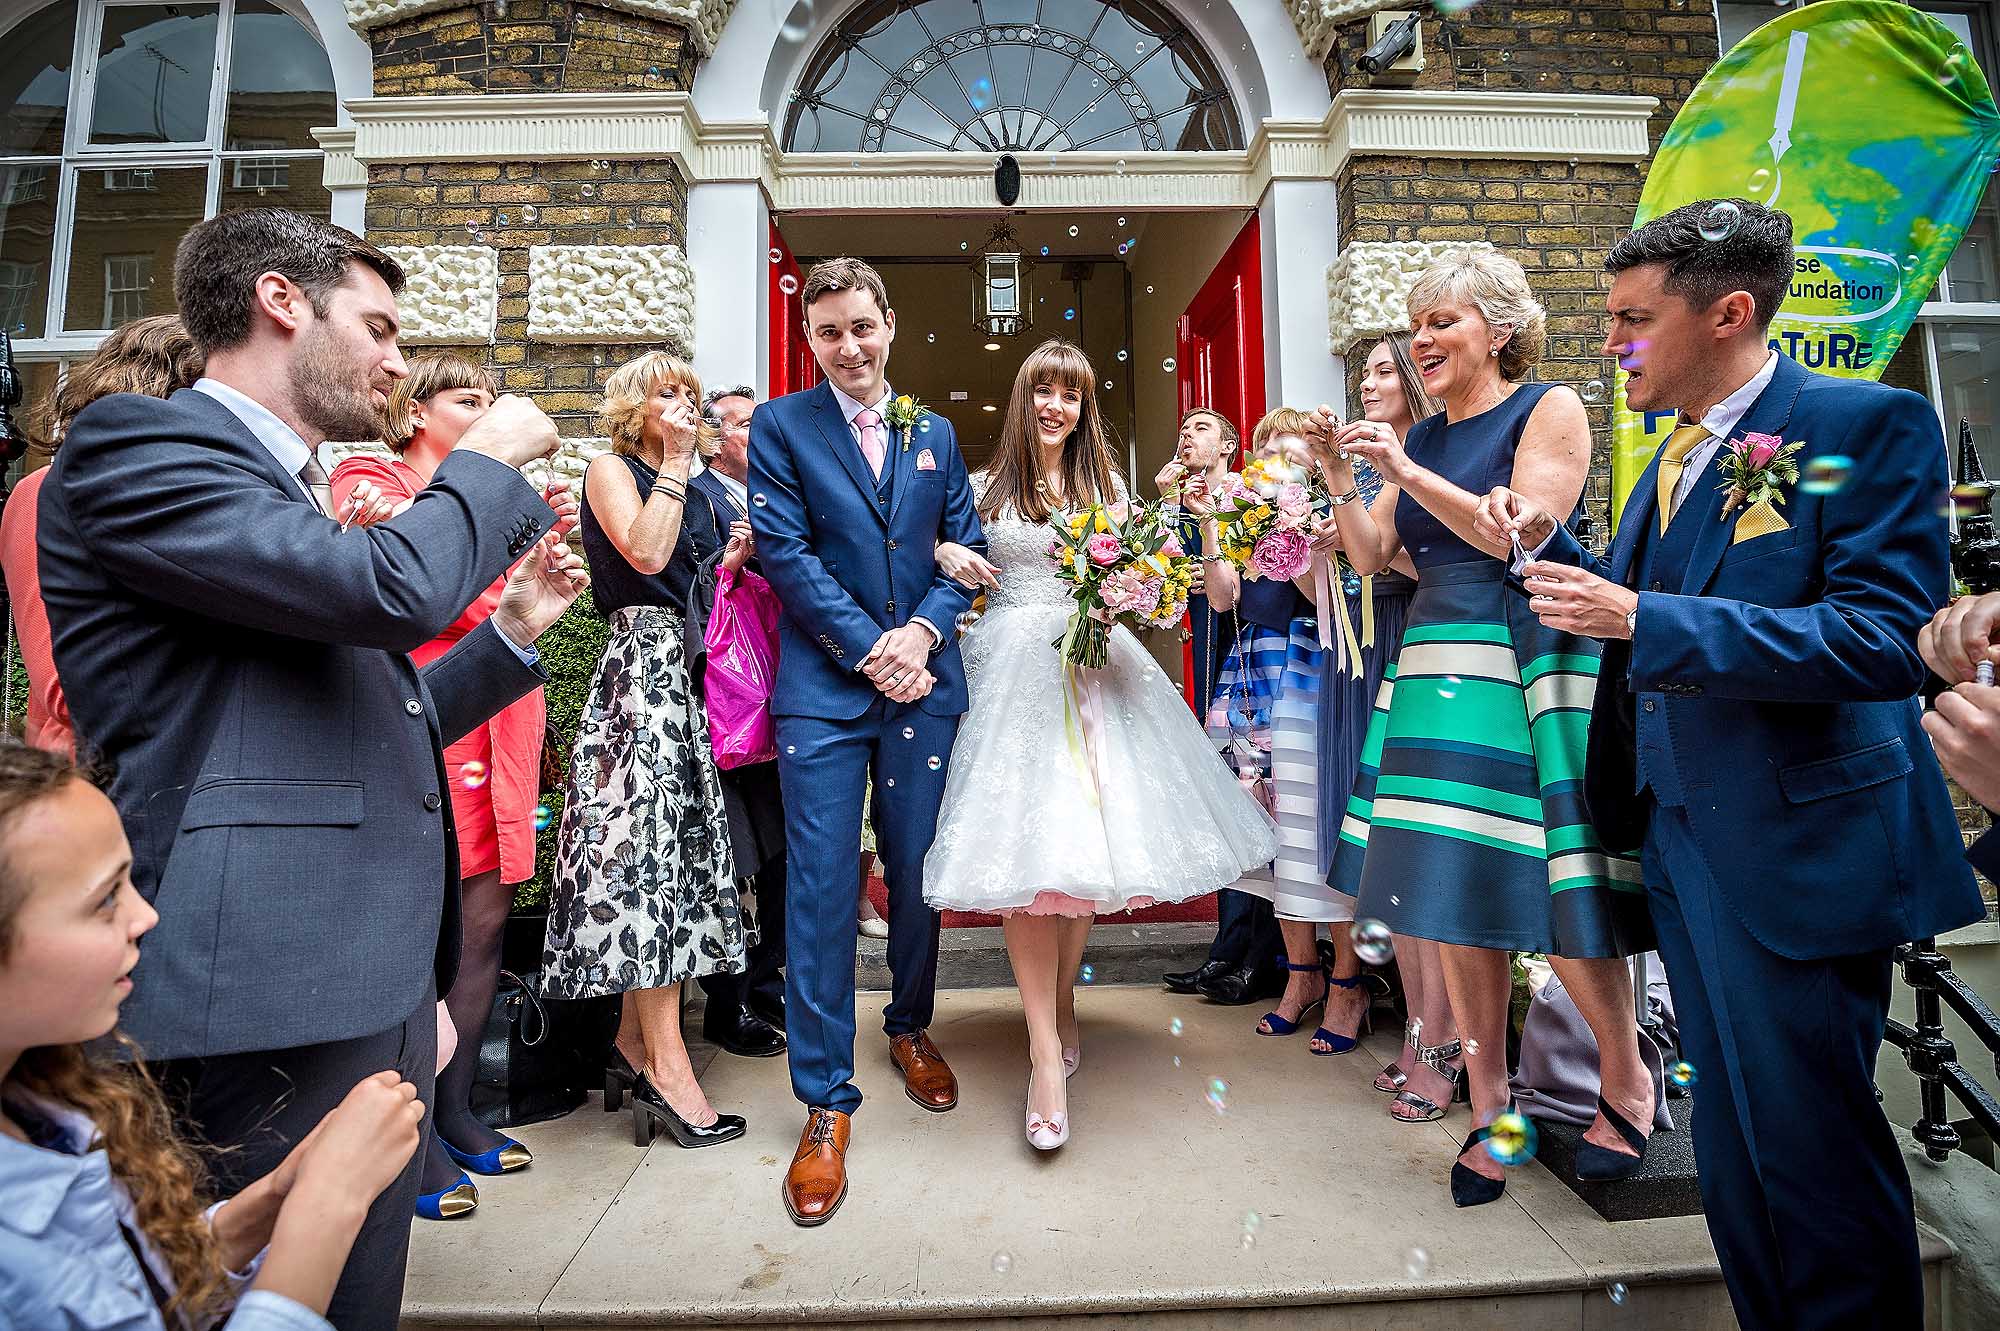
(1331, 607)
(1083, 726)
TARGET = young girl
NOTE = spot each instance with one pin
(102, 1222)
(1027, 829)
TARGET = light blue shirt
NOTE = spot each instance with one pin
(292, 453)
(64, 1261)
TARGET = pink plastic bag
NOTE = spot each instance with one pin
(742, 640)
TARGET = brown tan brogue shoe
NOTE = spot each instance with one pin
(816, 1184)
(927, 1077)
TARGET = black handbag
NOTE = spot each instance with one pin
(540, 1057)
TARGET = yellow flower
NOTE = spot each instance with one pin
(1103, 520)
(1078, 523)
(906, 403)
(1261, 513)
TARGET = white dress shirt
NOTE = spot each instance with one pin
(737, 490)
(1721, 421)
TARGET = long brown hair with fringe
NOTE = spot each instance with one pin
(154, 356)
(1088, 464)
(1415, 395)
(164, 1177)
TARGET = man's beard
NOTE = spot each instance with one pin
(324, 393)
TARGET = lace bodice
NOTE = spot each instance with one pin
(1021, 549)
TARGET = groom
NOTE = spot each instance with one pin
(1755, 732)
(848, 502)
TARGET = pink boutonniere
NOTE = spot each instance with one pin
(1754, 467)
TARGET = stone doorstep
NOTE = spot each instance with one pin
(976, 957)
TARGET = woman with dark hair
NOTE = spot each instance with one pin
(1467, 824)
(1044, 822)
(495, 773)
(645, 894)
(153, 356)
(105, 1219)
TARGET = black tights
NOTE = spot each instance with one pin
(483, 917)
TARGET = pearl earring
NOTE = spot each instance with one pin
(1494, 352)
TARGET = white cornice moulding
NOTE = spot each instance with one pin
(702, 18)
(655, 126)
(341, 170)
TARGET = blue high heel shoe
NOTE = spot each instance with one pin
(1273, 1024)
(505, 1158)
(448, 1203)
(1335, 1042)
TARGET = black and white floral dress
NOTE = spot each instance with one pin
(644, 890)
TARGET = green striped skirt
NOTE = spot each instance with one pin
(1467, 822)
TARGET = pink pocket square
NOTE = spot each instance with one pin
(925, 462)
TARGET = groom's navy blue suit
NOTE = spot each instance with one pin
(1758, 737)
(850, 558)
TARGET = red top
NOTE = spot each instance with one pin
(494, 809)
(48, 725)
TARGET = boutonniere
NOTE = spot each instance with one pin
(903, 413)
(1754, 468)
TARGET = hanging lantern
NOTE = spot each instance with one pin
(1000, 302)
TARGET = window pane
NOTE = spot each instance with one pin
(34, 80)
(1968, 357)
(1971, 273)
(1734, 22)
(155, 66)
(123, 216)
(276, 182)
(27, 231)
(280, 84)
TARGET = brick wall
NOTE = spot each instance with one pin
(531, 46)
(1559, 219)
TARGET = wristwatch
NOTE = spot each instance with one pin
(1632, 622)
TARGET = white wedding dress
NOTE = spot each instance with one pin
(1038, 815)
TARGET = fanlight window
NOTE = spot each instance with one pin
(1012, 76)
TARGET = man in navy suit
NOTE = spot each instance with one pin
(242, 664)
(1755, 735)
(847, 506)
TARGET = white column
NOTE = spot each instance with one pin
(728, 232)
(1297, 222)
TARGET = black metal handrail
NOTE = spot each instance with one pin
(1933, 1058)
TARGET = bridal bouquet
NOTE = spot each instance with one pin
(1264, 517)
(1125, 562)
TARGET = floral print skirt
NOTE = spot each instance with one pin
(644, 891)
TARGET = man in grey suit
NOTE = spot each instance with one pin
(240, 663)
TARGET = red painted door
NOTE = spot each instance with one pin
(1219, 359)
(792, 365)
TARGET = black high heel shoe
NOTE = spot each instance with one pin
(619, 1077)
(1469, 1187)
(650, 1109)
(1600, 1164)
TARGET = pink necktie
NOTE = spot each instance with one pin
(870, 425)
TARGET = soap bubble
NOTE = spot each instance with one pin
(1069, 314)
(1964, 501)
(1448, 686)
(600, 164)
(798, 23)
(1175, 1027)
(1252, 1222)
(530, 213)
(1045, 251)
(777, 255)
(909, 732)
(1218, 1095)
(1594, 391)
(1372, 942)
(981, 95)
(1072, 230)
(1002, 1263)
(1121, 221)
(789, 285)
(1120, 166)
(1121, 353)
(1616, 1292)
(502, 219)
(1168, 363)
(1149, 291)
(1682, 1074)
(1177, 1060)
(587, 190)
(1826, 474)
(1720, 221)
(935, 762)
(1759, 180)
(473, 775)
(1513, 1139)
(923, 425)
(542, 817)
(890, 783)
(1416, 1262)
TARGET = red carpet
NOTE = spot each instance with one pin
(1199, 911)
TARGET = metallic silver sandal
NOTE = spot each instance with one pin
(1433, 1056)
(1393, 1075)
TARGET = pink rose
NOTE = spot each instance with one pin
(1172, 548)
(1282, 554)
(1757, 449)
(1294, 503)
(1103, 549)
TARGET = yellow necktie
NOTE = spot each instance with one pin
(1673, 459)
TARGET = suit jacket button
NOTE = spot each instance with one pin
(413, 707)
(1656, 585)
(432, 802)
(891, 608)
(892, 545)
(1649, 704)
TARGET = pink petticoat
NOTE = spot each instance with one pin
(1061, 903)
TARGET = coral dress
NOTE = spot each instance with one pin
(1032, 818)
(492, 802)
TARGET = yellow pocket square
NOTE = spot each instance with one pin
(1760, 519)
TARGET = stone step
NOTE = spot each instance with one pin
(976, 957)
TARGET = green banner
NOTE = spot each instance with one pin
(1871, 124)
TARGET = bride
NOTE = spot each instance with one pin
(1048, 821)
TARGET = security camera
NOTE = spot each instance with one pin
(1396, 41)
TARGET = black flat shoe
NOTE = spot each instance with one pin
(1469, 1187)
(1598, 1164)
(619, 1078)
(741, 1032)
(1243, 985)
(1190, 982)
(651, 1111)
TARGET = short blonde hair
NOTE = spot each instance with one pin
(432, 373)
(1277, 421)
(622, 414)
(1497, 287)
